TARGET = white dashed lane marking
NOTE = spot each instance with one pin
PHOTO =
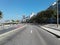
(31, 31)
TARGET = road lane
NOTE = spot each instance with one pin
(33, 35)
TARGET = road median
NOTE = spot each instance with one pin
(6, 36)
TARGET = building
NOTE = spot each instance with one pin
(27, 18)
(23, 18)
(54, 7)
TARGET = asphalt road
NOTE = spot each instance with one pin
(33, 35)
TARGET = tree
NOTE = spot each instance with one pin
(13, 20)
(32, 19)
(49, 13)
(17, 21)
(0, 14)
(43, 16)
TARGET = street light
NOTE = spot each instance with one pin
(57, 14)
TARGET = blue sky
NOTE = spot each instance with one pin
(14, 9)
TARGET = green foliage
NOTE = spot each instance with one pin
(0, 14)
(17, 20)
(13, 20)
(43, 16)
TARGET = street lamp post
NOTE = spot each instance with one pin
(57, 14)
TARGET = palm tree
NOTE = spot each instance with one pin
(0, 14)
(17, 20)
(13, 21)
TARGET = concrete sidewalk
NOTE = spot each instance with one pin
(53, 26)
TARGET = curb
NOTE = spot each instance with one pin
(52, 28)
(52, 31)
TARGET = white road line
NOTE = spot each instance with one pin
(31, 31)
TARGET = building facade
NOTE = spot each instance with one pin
(54, 7)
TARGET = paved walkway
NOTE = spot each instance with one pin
(53, 26)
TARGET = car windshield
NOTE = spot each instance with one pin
(29, 22)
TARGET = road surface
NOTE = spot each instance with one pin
(33, 35)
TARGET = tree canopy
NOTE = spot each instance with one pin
(43, 16)
(0, 14)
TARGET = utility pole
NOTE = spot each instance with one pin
(57, 14)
